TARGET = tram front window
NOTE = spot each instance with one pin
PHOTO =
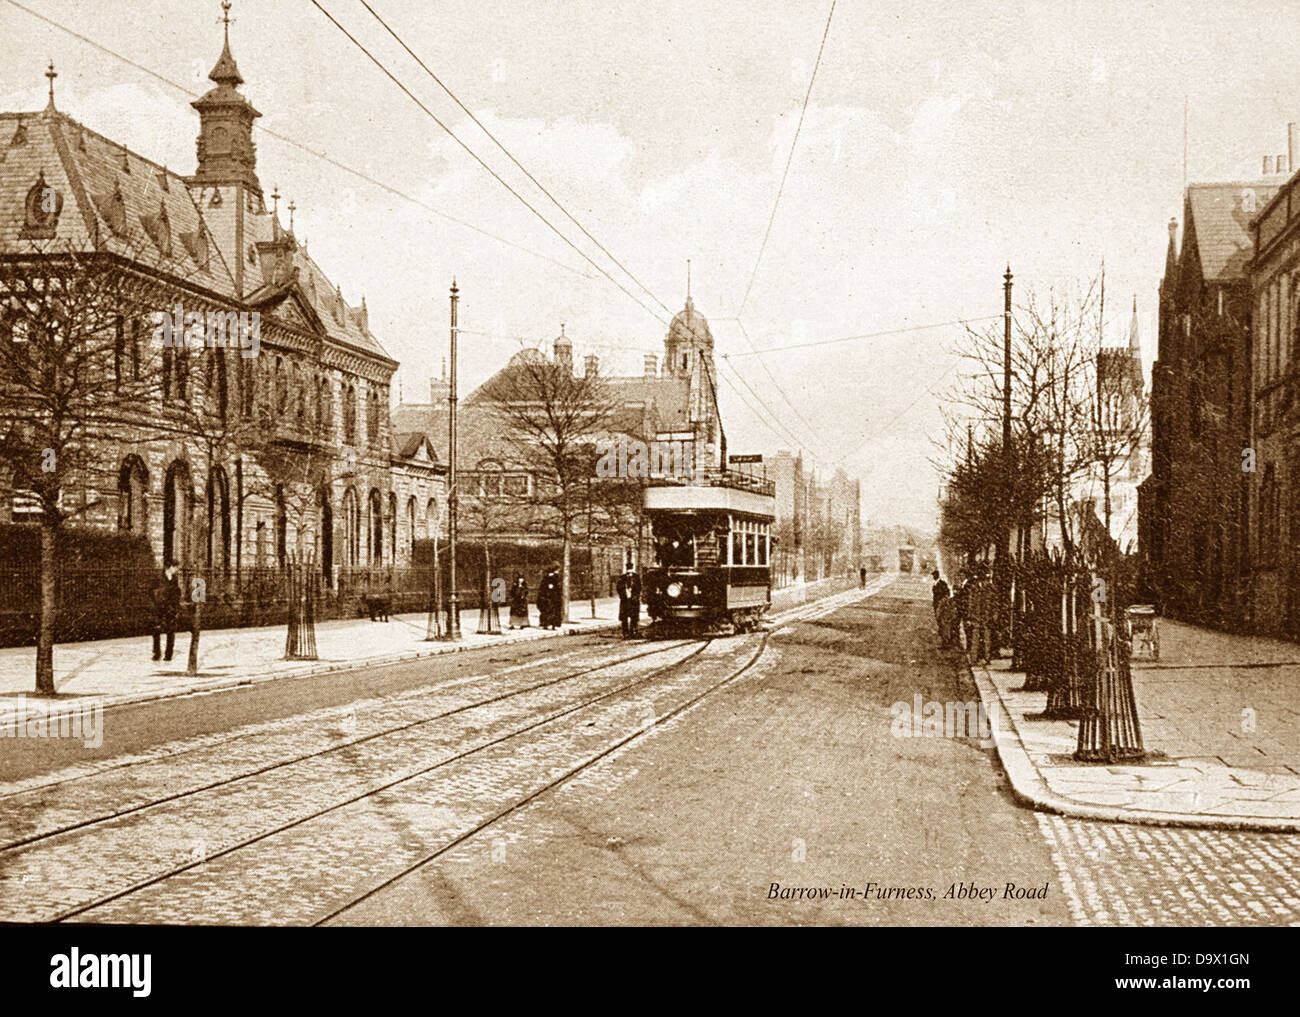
(674, 552)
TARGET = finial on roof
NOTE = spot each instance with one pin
(51, 73)
(275, 200)
(292, 207)
(688, 279)
(226, 72)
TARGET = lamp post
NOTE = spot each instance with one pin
(453, 605)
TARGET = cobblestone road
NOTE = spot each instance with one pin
(508, 795)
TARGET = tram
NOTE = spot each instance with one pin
(712, 547)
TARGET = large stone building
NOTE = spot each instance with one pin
(319, 384)
(1273, 537)
(1196, 502)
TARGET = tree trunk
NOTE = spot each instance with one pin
(49, 610)
(564, 578)
(196, 626)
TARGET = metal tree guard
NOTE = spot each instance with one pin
(1109, 731)
(300, 640)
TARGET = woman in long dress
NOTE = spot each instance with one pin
(519, 603)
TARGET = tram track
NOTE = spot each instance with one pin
(36, 844)
(151, 803)
(557, 782)
(424, 771)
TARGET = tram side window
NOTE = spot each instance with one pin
(762, 548)
(751, 557)
(737, 548)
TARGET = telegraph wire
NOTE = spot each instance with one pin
(361, 175)
(789, 159)
(780, 390)
(477, 158)
(509, 155)
(866, 335)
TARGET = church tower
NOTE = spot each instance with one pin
(225, 144)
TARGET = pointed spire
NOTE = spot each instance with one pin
(1134, 338)
(226, 72)
(51, 74)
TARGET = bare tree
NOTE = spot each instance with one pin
(551, 420)
(76, 374)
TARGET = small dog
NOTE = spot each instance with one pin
(377, 606)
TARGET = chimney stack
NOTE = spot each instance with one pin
(1290, 147)
(590, 365)
(651, 366)
(1268, 166)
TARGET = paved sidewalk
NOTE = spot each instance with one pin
(117, 671)
(1220, 718)
(120, 670)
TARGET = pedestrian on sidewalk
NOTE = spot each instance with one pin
(941, 597)
(166, 605)
(519, 603)
(549, 598)
(862, 577)
(629, 602)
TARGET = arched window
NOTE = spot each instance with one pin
(300, 395)
(281, 527)
(215, 383)
(218, 521)
(182, 375)
(326, 536)
(167, 371)
(376, 528)
(132, 488)
(410, 525)
(350, 415)
(326, 404)
(351, 528)
(392, 527)
(178, 500)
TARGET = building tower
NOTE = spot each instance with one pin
(564, 350)
(688, 352)
(225, 145)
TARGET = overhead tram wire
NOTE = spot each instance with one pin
(789, 159)
(799, 443)
(866, 335)
(509, 155)
(477, 158)
(780, 390)
(359, 174)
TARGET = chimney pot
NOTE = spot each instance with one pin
(651, 365)
(591, 364)
(1280, 166)
(1268, 165)
(1290, 147)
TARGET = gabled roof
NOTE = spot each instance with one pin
(1217, 219)
(130, 205)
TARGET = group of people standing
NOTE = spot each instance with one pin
(549, 601)
(967, 618)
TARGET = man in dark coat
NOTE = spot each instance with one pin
(629, 602)
(166, 604)
(548, 599)
(943, 607)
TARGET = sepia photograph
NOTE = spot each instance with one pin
(591, 464)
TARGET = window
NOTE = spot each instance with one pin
(281, 388)
(350, 415)
(515, 485)
(372, 418)
(119, 350)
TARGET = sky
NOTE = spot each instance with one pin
(942, 141)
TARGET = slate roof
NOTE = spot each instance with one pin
(142, 211)
(1218, 216)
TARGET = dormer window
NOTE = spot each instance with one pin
(41, 210)
(20, 135)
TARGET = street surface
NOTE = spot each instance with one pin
(751, 779)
